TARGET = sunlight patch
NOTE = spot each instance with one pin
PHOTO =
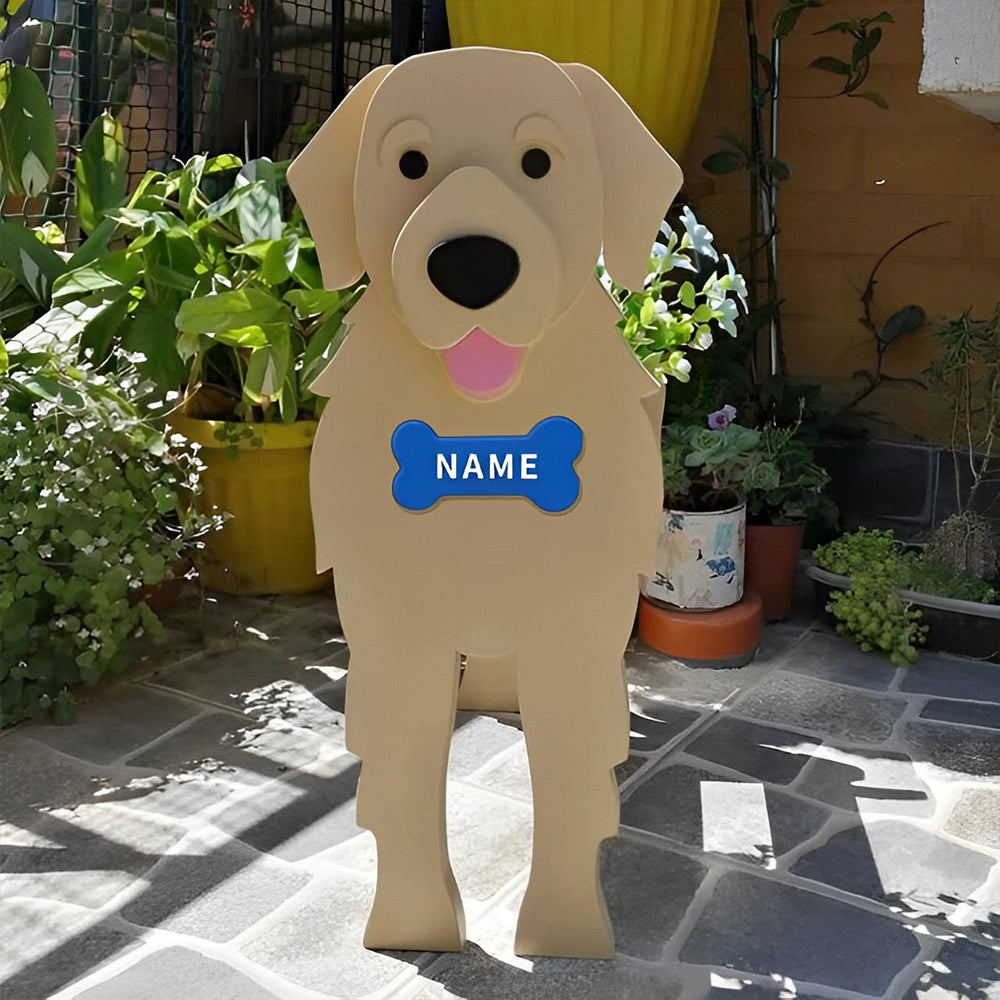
(734, 820)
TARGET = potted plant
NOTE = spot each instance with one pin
(89, 490)
(671, 315)
(700, 554)
(951, 582)
(784, 487)
(217, 292)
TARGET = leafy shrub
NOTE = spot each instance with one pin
(669, 316)
(870, 611)
(90, 494)
(928, 576)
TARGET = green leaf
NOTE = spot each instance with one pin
(65, 711)
(95, 245)
(4, 358)
(51, 390)
(779, 169)
(904, 321)
(27, 132)
(723, 162)
(871, 95)
(320, 349)
(313, 301)
(244, 317)
(259, 213)
(101, 171)
(863, 46)
(884, 18)
(190, 182)
(843, 27)
(830, 65)
(35, 265)
(686, 295)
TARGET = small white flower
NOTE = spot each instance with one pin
(46, 551)
(739, 285)
(702, 341)
(729, 313)
(679, 363)
(660, 307)
(701, 236)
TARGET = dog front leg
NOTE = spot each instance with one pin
(400, 714)
(574, 709)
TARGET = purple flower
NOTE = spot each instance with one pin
(721, 419)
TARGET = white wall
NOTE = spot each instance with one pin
(962, 54)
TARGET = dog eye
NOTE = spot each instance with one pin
(413, 164)
(535, 163)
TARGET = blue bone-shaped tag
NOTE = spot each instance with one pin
(537, 465)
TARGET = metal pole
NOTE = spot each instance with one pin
(88, 63)
(265, 74)
(771, 207)
(407, 26)
(185, 82)
(339, 75)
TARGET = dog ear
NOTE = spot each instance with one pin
(322, 180)
(640, 177)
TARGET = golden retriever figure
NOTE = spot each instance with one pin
(476, 187)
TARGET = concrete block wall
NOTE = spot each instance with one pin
(864, 177)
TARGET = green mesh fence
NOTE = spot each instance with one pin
(252, 77)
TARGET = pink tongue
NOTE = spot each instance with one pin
(480, 364)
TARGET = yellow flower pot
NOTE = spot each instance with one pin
(655, 53)
(267, 545)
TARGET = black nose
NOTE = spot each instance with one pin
(473, 270)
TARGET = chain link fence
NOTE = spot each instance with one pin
(251, 77)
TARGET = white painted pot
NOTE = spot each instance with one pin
(699, 559)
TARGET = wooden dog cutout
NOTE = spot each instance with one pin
(476, 187)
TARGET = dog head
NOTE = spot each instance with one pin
(477, 188)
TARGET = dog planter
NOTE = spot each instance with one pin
(489, 433)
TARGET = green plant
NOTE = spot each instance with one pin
(767, 171)
(919, 572)
(704, 468)
(870, 611)
(968, 370)
(30, 264)
(27, 132)
(669, 316)
(90, 494)
(783, 483)
(222, 298)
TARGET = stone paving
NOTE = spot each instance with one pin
(816, 824)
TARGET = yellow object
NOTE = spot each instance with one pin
(655, 53)
(267, 546)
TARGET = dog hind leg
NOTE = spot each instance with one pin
(574, 709)
(400, 716)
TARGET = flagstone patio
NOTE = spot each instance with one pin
(815, 824)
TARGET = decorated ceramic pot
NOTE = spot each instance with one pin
(699, 559)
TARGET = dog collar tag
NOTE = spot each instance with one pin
(537, 465)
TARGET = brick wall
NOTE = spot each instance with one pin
(864, 177)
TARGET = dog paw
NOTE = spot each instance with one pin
(414, 926)
(557, 932)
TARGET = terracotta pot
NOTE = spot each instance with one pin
(725, 638)
(772, 555)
